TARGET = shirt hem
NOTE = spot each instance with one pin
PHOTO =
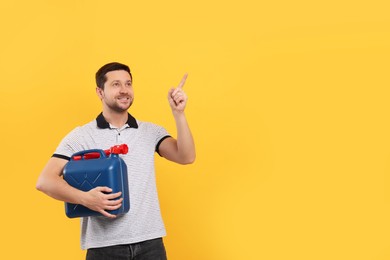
(106, 243)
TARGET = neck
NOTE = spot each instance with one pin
(117, 119)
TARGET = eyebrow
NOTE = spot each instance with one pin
(117, 80)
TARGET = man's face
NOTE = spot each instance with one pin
(118, 94)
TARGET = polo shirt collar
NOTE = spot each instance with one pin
(102, 122)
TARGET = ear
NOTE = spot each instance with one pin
(99, 92)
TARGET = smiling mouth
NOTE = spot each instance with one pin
(124, 98)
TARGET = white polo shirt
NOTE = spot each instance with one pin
(143, 221)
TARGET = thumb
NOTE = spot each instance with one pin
(170, 92)
(104, 189)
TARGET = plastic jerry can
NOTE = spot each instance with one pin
(92, 168)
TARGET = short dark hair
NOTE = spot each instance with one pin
(101, 73)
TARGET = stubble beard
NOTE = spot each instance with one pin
(120, 109)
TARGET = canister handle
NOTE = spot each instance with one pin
(88, 154)
(98, 153)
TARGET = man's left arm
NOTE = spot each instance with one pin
(182, 149)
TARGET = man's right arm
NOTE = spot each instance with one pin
(51, 183)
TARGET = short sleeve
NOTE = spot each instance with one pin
(70, 144)
(161, 134)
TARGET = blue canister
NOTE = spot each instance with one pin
(93, 168)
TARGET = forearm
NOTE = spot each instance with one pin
(51, 183)
(57, 188)
(96, 199)
(185, 141)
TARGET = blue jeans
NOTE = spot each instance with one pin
(147, 250)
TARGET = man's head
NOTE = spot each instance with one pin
(115, 87)
(101, 73)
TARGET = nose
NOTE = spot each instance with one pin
(123, 89)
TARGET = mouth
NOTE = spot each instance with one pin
(124, 99)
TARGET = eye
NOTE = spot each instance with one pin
(116, 84)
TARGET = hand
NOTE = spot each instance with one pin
(177, 97)
(98, 200)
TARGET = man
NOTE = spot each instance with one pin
(137, 234)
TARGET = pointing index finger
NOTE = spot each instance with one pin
(183, 80)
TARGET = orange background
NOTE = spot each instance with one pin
(288, 104)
